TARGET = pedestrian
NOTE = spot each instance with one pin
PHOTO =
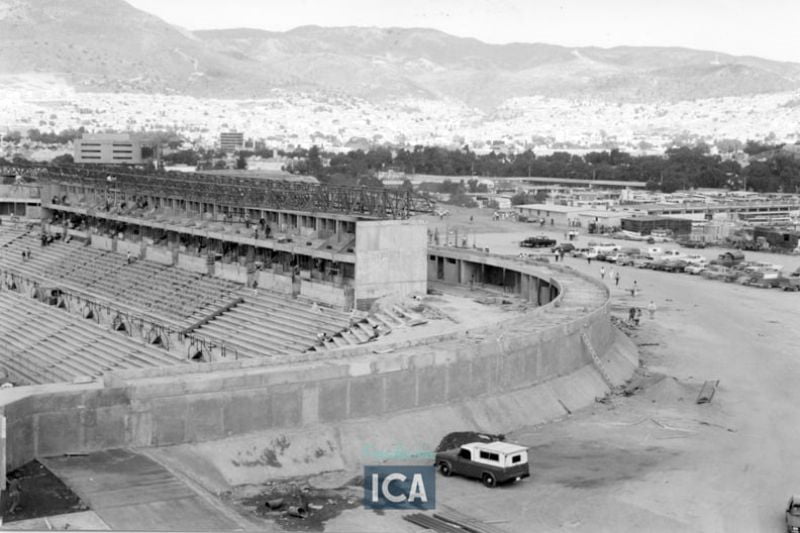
(24, 256)
(589, 259)
(651, 308)
(14, 494)
(635, 288)
(631, 315)
(638, 316)
(128, 257)
(602, 272)
(556, 256)
(616, 278)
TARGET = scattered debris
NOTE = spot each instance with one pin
(298, 511)
(295, 505)
(276, 503)
(565, 407)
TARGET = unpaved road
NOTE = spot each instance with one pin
(657, 461)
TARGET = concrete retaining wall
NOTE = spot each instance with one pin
(231, 271)
(325, 293)
(159, 255)
(103, 243)
(269, 280)
(229, 401)
(135, 248)
(193, 263)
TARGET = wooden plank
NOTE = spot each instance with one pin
(431, 523)
(466, 522)
(707, 391)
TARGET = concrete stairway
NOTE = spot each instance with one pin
(267, 324)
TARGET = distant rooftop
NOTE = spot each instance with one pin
(261, 174)
(106, 137)
(552, 208)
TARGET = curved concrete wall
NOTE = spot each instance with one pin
(162, 407)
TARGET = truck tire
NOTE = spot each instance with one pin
(489, 480)
(445, 469)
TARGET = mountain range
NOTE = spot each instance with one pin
(108, 45)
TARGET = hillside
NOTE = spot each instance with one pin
(107, 45)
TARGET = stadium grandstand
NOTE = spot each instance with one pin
(142, 311)
(164, 269)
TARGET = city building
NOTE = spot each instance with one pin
(551, 214)
(780, 238)
(231, 141)
(112, 149)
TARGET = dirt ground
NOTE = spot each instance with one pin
(656, 460)
(37, 493)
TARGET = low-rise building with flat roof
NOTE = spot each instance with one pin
(112, 149)
(562, 215)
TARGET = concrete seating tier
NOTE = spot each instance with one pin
(48, 345)
(10, 233)
(268, 324)
(175, 296)
(41, 256)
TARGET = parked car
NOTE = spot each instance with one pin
(692, 244)
(672, 254)
(654, 252)
(491, 462)
(566, 247)
(538, 242)
(729, 258)
(580, 252)
(759, 279)
(600, 251)
(674, 265)
(793, 515)
(695, 259)
(716, 272)
(694, 268)
(791, 283)
(627, 260)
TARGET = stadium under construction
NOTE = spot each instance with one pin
(151, 310)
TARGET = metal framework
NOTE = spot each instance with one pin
(239, 192)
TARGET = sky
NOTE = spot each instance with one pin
(765, 28)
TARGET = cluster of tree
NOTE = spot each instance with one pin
(679, 168)
(36, 136)
(457, 191)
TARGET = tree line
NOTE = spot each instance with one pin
(679, 168)
(774, 170)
